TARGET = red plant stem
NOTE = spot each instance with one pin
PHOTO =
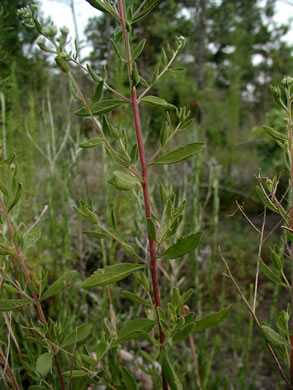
(35, 297)
(145, 187)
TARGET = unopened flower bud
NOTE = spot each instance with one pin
(287, 81)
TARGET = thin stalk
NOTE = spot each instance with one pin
(3, 111)
(13, 381)
(35, 297)
(254, 316)
(258, 261)
(145, 187)
(289, 127)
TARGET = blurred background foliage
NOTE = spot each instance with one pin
(234, 52)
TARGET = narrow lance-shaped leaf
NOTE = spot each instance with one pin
(270, 274)
(183, 246)
(16, 197)
(266, 202)
(124, 181)
(76, 373)
(111, 274)
(169, 372)
(158, 102)
(12, 304)
(212, 320)
(128, 331)
(116, 50)
(92, 143)
(276, 134)
(139, 48)
(179, 154)
(101, 6)
(273, 337)
(128, 379)
(183, 333)
(98, 92)
(151, 4)
(101, 107)
(64, 281)
(135, 298)
(77, 335)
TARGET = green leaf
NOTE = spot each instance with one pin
(12, 304)
(183, 333)
(3, 188)
(101, 6)
(77, 335)
(177, 70)
(273, 337)
(128, 379)
(116, 50)
(37, 387)
(92, 143)
(151, 228)
(64, 281)
(179, 154)
(276, 135)
(101, 107)
(139, 48)
(212, 320)
(111, 274)
(170, 373)
(135, 298)
(44, 364)
(183, 245)
(99, 235)
(262, 196)
(31, 239)
(124, 181)
(94, 76)
(98, 92)
(145, 10)
(158, 102)
(128, 331)
(270, 274)
(16, 197)
(76, 373)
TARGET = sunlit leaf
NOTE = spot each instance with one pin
(44, 364)
(179, 154)
(101, 107)
(158, 102)
(64, 281)
(183, 245)
(169, 372)
(111, 274)
(212, 320)
(124, 181)
(273, 337)
(92, 143)
(12, 304)
(77, 335)
(128, 331)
